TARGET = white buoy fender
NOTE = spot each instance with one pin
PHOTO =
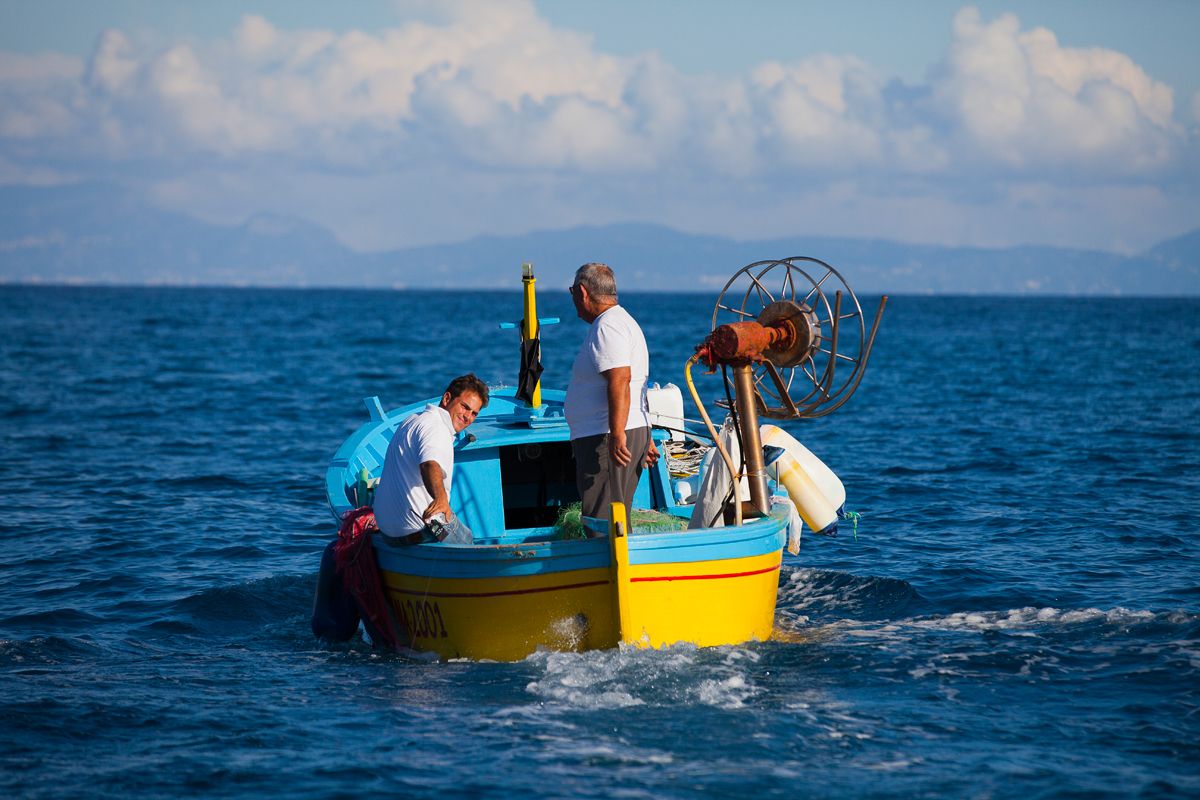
(665, 404)
(811, 486)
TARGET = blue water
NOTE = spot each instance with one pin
(1019, 615)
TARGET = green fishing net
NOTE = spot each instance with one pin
(570, 522)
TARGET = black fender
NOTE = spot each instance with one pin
(335, 614)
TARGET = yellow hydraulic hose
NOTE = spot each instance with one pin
(733, 473)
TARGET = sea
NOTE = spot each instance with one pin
(1015, 615)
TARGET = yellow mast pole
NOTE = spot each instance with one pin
(530, 325)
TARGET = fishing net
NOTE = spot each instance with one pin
(642, 520)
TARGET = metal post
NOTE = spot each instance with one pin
(752, 452)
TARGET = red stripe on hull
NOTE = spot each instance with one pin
(588, 584)
(703, 577)
(504, 593)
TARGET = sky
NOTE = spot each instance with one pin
(415, 122)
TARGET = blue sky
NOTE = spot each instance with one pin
(402, 123)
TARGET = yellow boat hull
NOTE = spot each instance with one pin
(506, 618)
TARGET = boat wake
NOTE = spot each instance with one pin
(1087, 627)
(874, 606)
(629, 676)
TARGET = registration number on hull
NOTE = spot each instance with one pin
(422, 618)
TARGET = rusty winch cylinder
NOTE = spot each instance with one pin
(747, 341)
(785, 333)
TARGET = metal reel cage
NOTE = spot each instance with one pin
(820, 379)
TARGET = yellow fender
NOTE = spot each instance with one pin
(810, 485)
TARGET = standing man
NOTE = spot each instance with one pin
(606, 398)
(412, 502)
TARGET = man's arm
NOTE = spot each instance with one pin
(434, 479)
(617, 379)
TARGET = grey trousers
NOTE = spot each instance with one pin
(601, 482)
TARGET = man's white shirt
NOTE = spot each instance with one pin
(401, 496)
(614, 339)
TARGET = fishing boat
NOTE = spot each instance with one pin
(695, 558)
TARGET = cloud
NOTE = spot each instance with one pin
(821, 112)
(491, 96)
(496, 85)
(113, 63)
(38, 96)
(1018, 99)
(13, 173)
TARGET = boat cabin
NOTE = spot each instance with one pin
(513, 469)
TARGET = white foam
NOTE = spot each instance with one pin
(631, 676)
(893, 766)
(731, 692)
(1028, 622)
(580, 680)
(1030, 617)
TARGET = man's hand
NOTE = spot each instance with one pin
(651, 454)
(438, 506)
(618, 448)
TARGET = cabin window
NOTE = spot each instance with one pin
(538, 478)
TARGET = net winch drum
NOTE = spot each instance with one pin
(792, 342)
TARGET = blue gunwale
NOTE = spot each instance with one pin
(755, 538)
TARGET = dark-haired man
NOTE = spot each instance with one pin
(412, 502)
(606, 398)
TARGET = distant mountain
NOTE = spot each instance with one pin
(93, 234)
(90, 234)
(656, 258)
(1180, 253)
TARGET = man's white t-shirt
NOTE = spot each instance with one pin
(401, 497)
(614, 339)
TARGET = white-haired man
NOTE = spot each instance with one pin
(606, 397)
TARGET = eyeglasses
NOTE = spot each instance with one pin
(572, 288)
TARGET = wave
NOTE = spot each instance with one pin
(1004, 466)
(1031, 619)
(812, 592)
(205, 482)
(841, 598)
(252, 603)
(24, 411)
(1122, 639)
(275, 608)
(51, 619)
(42, 651)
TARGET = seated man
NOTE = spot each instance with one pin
(412, 501)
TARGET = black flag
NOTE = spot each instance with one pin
(531, 368)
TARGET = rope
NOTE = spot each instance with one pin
(854, 517)
(684, 458)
